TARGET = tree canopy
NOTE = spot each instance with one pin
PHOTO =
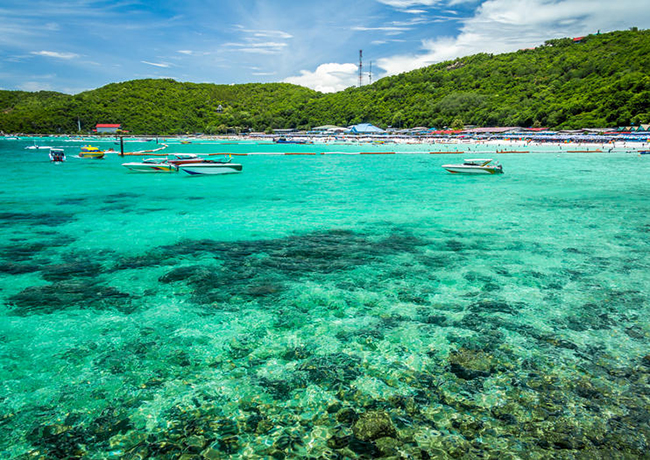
(602, 80)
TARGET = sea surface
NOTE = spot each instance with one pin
(325, 306)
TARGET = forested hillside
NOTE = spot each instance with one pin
(602, 80)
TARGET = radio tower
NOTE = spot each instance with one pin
(360, 67)
(370, 74)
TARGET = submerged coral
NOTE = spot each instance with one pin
(332, 345)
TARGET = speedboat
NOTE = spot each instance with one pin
(475, 166)
(211, 167)
(88, 151)
(151, 165)
(37, 147)
(57, 155)
(284, 140)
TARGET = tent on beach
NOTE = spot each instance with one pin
(328, 129)
(365, 128)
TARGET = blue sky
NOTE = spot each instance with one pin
(76, 45)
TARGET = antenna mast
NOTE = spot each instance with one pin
(360, 67)
(370, 74)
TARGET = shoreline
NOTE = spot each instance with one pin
(449, 145)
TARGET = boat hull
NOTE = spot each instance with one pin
(150, 168)
(460, 169)
(93, 155)
(211, 169)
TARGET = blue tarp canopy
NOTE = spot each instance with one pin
(365, 128)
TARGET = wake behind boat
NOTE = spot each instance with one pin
(475, 166)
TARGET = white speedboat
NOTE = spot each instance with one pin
(151, 165)
(211, 167)
(57, 155)
(475, 166)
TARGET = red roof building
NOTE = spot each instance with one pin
(107, 128)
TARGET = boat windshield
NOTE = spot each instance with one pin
(478, 162)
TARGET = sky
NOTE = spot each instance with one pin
(72, 46)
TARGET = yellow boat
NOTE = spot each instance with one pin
(88, 151)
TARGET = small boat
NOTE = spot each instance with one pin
(151, 165)
(38, 147)
(644, 152)
(211, 167)
(284, 140)
(57, 155)
(475, 166)
(88, 151)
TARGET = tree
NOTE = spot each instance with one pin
(457, 124)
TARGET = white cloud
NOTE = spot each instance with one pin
(56, 54)
(33, 86)
(265, 33)
(271, 33)
(500, 26)
(391, 30)
(254, 41)
(188, 52)
(408, 3)
(156, 64)
(257, 47)
(327, 78)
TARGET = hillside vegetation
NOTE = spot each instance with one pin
(604, 80)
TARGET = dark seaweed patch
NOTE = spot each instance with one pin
(22, 252)
(495, 306)
(71, 438)
(12, 268)
(260, 269)
(189, 274)
(73, 201)
(66, 294)
(116, 197)
(333, 370)
(79, 268)
(53, 219)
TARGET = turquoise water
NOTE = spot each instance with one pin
(331, 306)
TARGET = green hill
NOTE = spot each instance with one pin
(603, 80)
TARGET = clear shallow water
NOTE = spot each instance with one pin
(325, 305)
